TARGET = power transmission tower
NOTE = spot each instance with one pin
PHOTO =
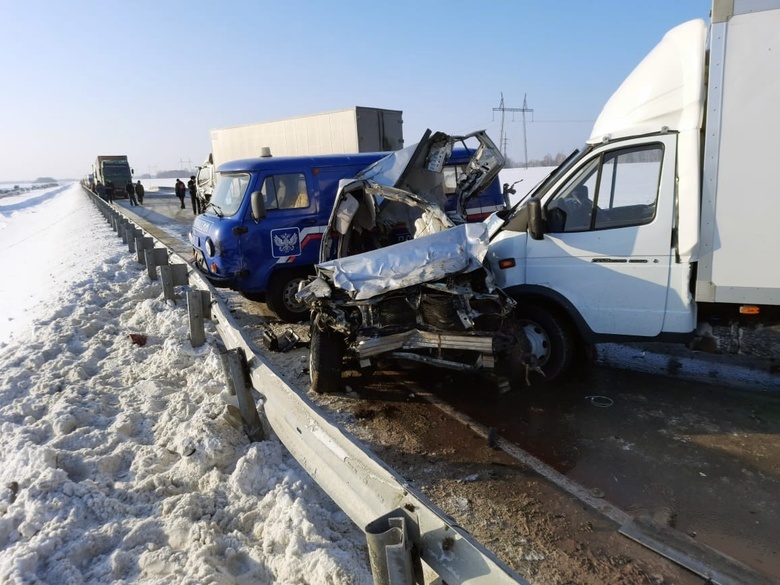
(502, 139)
(189, 164)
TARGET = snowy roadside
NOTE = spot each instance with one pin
(127, 463)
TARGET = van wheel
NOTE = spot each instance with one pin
(280, 296)
(550, 338)
(326, 354)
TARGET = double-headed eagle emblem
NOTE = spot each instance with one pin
(286, 242)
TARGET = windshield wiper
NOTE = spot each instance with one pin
(217, 209)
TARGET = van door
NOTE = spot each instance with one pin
(283, 238)
(608, 246)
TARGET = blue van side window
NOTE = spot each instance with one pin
(285, 191)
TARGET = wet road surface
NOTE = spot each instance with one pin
(699, 458)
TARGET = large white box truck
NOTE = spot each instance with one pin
(670, 214)
(351, 130)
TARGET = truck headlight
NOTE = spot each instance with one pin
(210, 247)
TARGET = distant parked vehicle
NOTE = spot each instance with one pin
(114, 169)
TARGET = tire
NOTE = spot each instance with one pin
(326, 355)
(280, 296)
(551, 340)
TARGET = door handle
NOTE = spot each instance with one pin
(309, 221)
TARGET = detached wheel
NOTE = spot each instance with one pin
(550, 338)
(326, 355)
(280, 296)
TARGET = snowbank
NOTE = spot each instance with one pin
(127, 463)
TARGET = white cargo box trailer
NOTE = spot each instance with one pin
(356, 129)
(740, 195)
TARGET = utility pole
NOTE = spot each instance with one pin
(189, 164)
(502, 139)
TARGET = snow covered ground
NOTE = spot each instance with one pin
(523, 179)
(126, 463)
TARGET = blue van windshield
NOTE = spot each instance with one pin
(228, 193)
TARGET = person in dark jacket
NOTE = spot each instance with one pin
(180, 190)
(101, 191)
(110, 192)
(131, 194)
(193, 189)
(139, 191)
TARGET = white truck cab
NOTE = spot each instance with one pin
(673, 203)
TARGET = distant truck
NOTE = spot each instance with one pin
(114, 168)
(261, 232)
(351, 130)
(668, 216)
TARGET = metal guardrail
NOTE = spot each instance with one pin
(410, 539)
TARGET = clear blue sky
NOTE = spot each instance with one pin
(150, 78)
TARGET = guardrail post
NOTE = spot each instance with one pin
(236, 368)
(390, 550)
(155, 257)
(173, 275)
(199, 308)
(124, 225)
(132, 235)
(141, 245)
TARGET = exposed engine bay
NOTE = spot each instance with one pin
(426, 299)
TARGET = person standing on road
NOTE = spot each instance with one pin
(100, 190)
(139, 191)
(131, 194)
(180, 190)
(193, 189)
(110, 192)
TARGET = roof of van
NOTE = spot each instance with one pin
(295, 162)
(459, 155)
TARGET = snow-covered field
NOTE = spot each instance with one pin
(523, 179)
(126, 463)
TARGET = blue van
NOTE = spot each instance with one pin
(261, 231)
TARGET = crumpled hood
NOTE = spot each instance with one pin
(456, 250)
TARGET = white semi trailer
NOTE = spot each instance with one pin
(351, 130)
(670, 213)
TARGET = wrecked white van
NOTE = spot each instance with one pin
(428, 299)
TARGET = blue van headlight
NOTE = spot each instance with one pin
(210, 250)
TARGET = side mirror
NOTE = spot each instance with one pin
(535, 221)
(258, 205)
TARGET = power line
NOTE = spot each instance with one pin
(502, 139)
